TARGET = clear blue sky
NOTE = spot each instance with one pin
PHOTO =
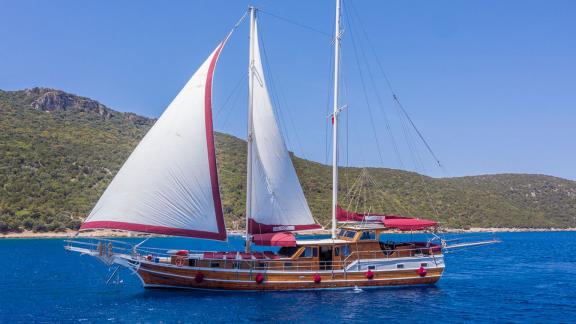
(491, 84)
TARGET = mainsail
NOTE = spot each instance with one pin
(277, 201)
(169, 184)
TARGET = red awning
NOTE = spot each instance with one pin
(390, 221)
(274, 239)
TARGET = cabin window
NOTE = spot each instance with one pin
(342, 232)
(350, 234)
(287, 264)
(287, 251)
(262, 265)
(191, 262)
(336, 251)
(236, 265)
(371, 267)
(400, 266)
(214, 264)
(345, 250)
(424, 264)
(310, 252)
(368, 235)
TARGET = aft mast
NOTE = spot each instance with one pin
(250, 136)
(335, 113)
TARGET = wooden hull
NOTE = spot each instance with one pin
(314, 264)
(167, 276)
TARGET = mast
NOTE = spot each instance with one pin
(250, 136)
(335, 120)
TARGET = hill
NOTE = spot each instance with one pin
(59, 151)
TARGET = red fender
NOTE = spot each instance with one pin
(369, 275)
(259, 278)
(422, 271)
(317, 278)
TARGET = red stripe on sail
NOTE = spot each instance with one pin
(211, 147)
(151, 229)
(257, 228)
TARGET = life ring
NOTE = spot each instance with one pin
(317, 278)
(369, 274)
(149, 257)
(259, 278)
(180, 262)
(422, 271)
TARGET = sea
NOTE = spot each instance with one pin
(529, 277)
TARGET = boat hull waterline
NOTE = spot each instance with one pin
(168, 278)
(370, 273)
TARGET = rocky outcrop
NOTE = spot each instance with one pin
(49, 100)
(52, 100)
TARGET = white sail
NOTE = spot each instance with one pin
(169, 184)
(277, 201)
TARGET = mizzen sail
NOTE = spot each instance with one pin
(277, 200)
(169, 184)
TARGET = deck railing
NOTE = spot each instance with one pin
(108, 247)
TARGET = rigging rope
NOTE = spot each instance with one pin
(413, 150)
(365, 93)
(389, 84)
(417, 130)
(379, 100)
(290, 21)
(235, 96)
(233, 92)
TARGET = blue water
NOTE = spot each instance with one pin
(530, 277)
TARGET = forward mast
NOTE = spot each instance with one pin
(249, 137)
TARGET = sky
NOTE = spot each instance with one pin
(491, 84)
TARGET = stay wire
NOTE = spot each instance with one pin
(417, 160)
(295, 23)
(394, 95)
(233, 92)
(377, 94)
(235, 97)
(366, 98)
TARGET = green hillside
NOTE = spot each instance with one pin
(59, 151)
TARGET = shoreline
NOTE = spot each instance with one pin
(114, 233)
